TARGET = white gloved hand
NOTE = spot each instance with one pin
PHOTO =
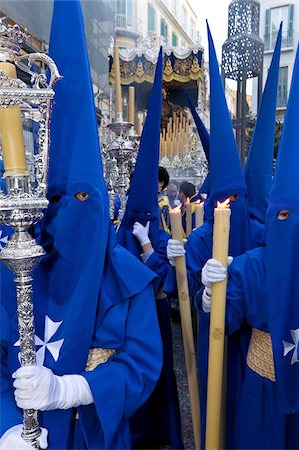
(174, 249)
(38, 388)
(212, 272)
(141, 233)
(120, 214)
(12, 440)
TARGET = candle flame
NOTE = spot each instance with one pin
(188, 200)
(224, 204)
(177, 208)
(199, 202)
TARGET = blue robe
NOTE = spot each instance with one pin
(158, 422)
(119, 386)
(261, 423)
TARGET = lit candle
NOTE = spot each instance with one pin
(186, 322)
(131, 104)
(198, 213)
(11, 130)
(188, 217)
(118, 98)
(217, 329)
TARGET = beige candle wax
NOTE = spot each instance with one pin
(118, 97)
(217, 331)
(12, 132)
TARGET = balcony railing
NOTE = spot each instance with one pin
(128, 22)
(287, 40)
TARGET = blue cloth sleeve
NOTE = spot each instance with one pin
(122, 384)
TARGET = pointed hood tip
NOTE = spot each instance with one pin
(221, 131)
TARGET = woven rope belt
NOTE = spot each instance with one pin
(260, 354)
(96, 356)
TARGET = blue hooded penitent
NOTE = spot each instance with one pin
(85, 274)
(142, 205)
(259, 163)
(282, 263)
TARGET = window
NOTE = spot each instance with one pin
(282, 93)
(164, 29)
(184, 18)
(272, 22)
(124, 13)
(174, 7)
(151, 18)
(174, 40)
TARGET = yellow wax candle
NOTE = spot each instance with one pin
(217, 331)
(137, 125)
(188, 217)
(12, 132)
(118, 97)
(131, 104)
(198, 214)
(186, 323)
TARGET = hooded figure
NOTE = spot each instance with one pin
(93, 302)
(157, 422)
(262, 289)
(226, 179)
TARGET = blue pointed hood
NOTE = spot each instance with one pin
(202, 131)
(226, 175)
(282, 264)
(205, 140)
(142, 204)
(259, 163)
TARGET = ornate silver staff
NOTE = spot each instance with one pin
(25, 200)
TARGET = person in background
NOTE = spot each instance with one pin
(186, 192)
(173, 193)
(163, 180)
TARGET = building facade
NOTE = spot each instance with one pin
(174, 20)
(272, 13)
(36, 16)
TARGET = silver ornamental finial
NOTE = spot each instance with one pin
(12, 40)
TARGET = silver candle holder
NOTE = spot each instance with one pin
(121, 152)
(23, 204)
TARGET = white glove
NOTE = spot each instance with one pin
(212, 272)
(38, 388)
(141, 233)
(12, 440)
(121, 214)
(206, 299)
(174, 249)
